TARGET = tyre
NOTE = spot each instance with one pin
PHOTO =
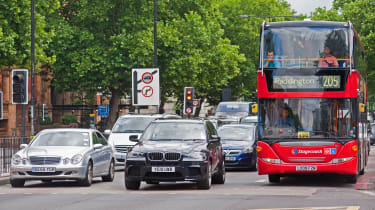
(254, 165)
(111, 173)
(273, 178)
(205, 184)
(219, 177)
(152, 182)
(17, 182)
(132, 185)
(351, 179)
(87, 181)
(362, 171)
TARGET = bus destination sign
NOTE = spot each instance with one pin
(307, 82)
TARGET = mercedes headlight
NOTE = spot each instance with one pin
(16, 159)
(76, 159)
(247, 150)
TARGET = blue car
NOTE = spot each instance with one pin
(239, 145)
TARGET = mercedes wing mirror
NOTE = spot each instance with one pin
(134, 138)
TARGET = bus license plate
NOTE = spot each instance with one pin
(306, 168)
(43, 169)
(163, 169)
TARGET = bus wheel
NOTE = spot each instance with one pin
(273, 178)
(362, 171)
(351, 179)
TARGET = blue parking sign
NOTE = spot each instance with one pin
(103, 110)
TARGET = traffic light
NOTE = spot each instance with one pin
(44, 111)
(20, 79)
(188, 100)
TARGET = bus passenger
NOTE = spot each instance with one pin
(330, 60)
(269, 60)
(284, 119)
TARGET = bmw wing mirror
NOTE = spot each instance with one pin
(133, 138)
(107, 132)
(215, 138)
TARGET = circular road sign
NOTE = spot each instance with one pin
(147, 77)
(147, 91)
(195, 103)
(189, 110)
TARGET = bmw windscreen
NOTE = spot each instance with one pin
(167, 131)
(320, 118)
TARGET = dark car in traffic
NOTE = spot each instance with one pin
(239, 145)
(176, 150)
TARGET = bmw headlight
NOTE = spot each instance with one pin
(135, 155)
(76, 159)
(195, 156)
(247, 150)
(16, 159)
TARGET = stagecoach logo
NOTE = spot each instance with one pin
(306, 152)
(294, 151)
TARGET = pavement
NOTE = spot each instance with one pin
(367, 181)
(4, 179)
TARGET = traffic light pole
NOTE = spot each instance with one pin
(32, 132)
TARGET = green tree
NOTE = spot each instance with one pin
(15, 32)
(194, 52)
(97, 43)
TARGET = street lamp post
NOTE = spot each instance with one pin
(32, 68)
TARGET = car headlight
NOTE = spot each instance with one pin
(16, 159)
(135, 155)
(76, 159)
(195, 156)
(66, 161)
(247, 150)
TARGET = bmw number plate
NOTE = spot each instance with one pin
(163, 169)
(43, 169)
(230, 158)
(306, 168)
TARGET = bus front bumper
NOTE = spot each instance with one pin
(348, 167)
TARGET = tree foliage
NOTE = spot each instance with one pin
(15, 32)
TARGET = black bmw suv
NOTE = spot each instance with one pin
(176, 150)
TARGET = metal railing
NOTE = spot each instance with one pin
(9, 145)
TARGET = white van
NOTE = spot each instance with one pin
(126, 126)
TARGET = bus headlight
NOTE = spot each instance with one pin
(271, 160)
(341, 160)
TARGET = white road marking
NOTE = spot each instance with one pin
(368, 193)
(261, 181)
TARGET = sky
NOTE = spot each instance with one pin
(307, 6)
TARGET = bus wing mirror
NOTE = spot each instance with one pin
(361, 107)
(254, 108)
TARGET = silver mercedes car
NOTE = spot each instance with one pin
(63, 154)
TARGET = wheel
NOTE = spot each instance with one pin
(132, 185)
(219, 177)
(111, 173)
(89, 175)
(205, 184)
(351, 179)
(362, 171)
(273, 178)
(17, 182)
(254, 165)
(152, 182)
(47, 181)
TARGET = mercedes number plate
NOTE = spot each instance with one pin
(43, 169)
(230, 158)
(306, 168)
(163, 169)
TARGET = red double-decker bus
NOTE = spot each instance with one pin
(312, 98)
